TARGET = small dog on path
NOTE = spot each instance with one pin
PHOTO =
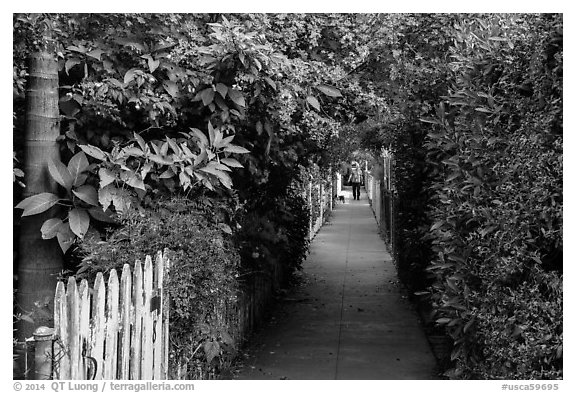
(340, 198)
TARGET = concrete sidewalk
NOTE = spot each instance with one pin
(349, 318)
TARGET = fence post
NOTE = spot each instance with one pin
(43, 354)
(311, 208)
(321, 199)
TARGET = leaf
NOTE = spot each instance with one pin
(79, 48)
(70, 108)
(314, 102)
(93, 151)
(98, 214)
(216, 170)
(136, 182)
(226, 229)
(452, 177)
(37, 204)
(232, 162)
(65, 237)
(173, 145)
(87, 194)
(217, 139)
(78, 164)
(270, 82)
(259, 128)
(161, 160)
(106, 177)
(201, 136)
(171, 88)
(153, 64)
(468, 324)
(212, 350)
(225, 179)
(226, 338)
(226, 141)
(96, 54)
(329, 91)
(130, 75)
(219, 166)
(27, 318)
(167, 174)
(207, 96)
(184, 180)
(559, 351)
(431, 121)
(140, 141)
(79, 221)
(443, 321)
(146, 168)
(236, 149)
(517, 331)
(164, 151)
(222, 89)
(16, 172)
(436, 225)
(133, 151)
(60, 173)
(71, 63)
(112, 195)
(236, 97)
(204, 328)
(501, 39)
(50, 228)
(211, 133)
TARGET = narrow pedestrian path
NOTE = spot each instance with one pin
(349, 318)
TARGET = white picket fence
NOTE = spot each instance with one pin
(117, 330)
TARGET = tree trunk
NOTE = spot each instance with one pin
(39, 260)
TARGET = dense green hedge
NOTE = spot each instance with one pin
(496, 206)
(275, 230)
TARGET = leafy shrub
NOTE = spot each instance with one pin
(204, 266)
(496, 210)
(275, 232)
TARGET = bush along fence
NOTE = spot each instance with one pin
(232, 322)
(118, 330)
(382, 197)
(320, 197)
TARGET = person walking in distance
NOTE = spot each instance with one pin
(356, 179)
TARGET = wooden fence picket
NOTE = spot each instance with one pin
(117, 330)
(125, 322)
(147, 323)
(157, 316)
(135, 353)
(110, 350)
(74, 328)
(62, 354)
(98, 326)
(165, 320)
(84, 327)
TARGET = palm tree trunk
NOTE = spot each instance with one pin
(39, 260)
